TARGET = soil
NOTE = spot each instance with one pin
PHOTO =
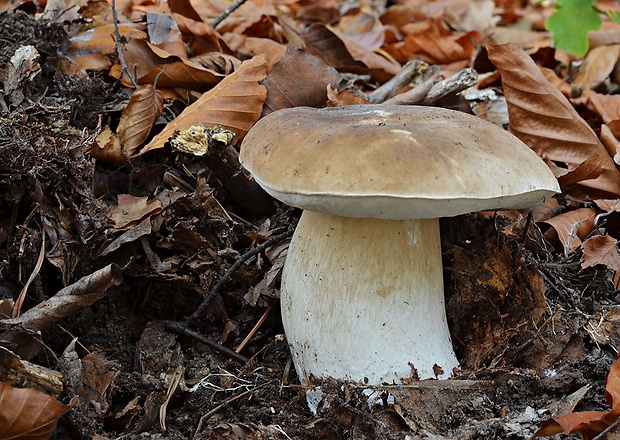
(530, 327)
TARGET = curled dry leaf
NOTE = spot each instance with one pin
(298, 79)
(546, 121)
(596, 67)
(573, 226)
(170, 70)
(139, 117)
(107, 148)
(101, 40)
(343, 53)
(588, 423)
(83, 293)
(131, 210)
(601, 249)
(236, 103)
(27, 413)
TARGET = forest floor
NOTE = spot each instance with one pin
(534, 331)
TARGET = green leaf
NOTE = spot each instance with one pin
(570, 24)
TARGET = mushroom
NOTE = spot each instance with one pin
(362, 294)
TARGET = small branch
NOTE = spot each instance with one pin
(410, 70)
(256, 327)
(232, 8)
(202, 309)
(183, 329)
(210, 414)
(458, 82)
(603, 434)
(415, 95)
(119, 49)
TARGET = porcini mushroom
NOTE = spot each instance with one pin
(362, 288)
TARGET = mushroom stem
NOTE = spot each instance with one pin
(363, 300)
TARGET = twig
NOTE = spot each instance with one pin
(22, 295)
(202, 309)
(210, 414)
(415, 95)
(232, 8)
(602, 435)
(119, 49)
(256, 327)
(182, 328)
(401, 79)
(458, 82)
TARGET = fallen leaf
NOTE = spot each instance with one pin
(601, 249)
(547, 122)
(573, 226)
(151, 63)
(139, 117)
(596, 67)
(298, 79)
(131, 210)
(26, 413)
(236, 103)
(107, 148)
(589, 423)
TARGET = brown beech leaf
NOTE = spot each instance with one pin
(235, 103)
(170, 70)
(588, 423)
(607, 106)
(342, 53)
(28, 413)
(546, 121)
(165, 34)
(131, 210)
(298, 79)
(596, 67)
(139, 117)
(573, 226)
(101, 39)
(107, 148)
(83, 293)
(601, 249)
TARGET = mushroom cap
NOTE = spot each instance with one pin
(393, 162)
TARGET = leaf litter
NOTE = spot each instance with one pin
(110, 232)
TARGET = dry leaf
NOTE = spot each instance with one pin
(107, 148)
(139, 117)
(151, 63)
(236, 103)
(298, 79)
(131, 210)
(596, 67)
(573, 226)
(165, 34)
(101, 40)
(546, 121)
(607, 106)
(589, 423)
(29, 414)
(601, 249)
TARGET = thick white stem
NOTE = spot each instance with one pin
(363, 300)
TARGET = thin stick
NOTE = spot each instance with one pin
(602, 435)
(202, 309)
(458, 82)
(182, 328)
(256, 327)
(232, 8)
(119, 49)
(210, 414)
(37, 267)
(401, 79)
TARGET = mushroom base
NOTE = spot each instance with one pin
(363, 300)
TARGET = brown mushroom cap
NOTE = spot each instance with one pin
(393, 162)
